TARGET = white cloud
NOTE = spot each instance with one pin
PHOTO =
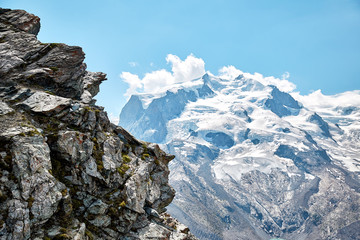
(282, 84)
(186, 70)
(191, 68)
(285, 76)
(157, 80)
(134, 82)
(229, 72)
(181, 71)
(318, 101)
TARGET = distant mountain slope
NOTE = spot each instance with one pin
(254, 162)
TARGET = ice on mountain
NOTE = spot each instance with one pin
(220, 139)
(303, 160)
(244, 141)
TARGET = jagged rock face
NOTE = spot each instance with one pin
(254, 163)
(66, 171)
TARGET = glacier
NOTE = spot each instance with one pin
(255, 160)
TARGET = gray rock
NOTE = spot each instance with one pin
(66, 171)
(21, 20)
(4, 108)
(45, 103)
(112, 158)
(98, 207)
(76, 146)
(152, 212)
(18, 220)
(101, 221)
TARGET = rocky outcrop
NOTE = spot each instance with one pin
(66, 171)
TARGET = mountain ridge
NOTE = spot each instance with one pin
(260, 159)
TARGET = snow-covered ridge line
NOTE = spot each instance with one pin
(251, 154)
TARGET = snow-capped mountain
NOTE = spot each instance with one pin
(253, 161)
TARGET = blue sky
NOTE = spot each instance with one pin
(317, 42)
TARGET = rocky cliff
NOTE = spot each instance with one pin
(66, 171)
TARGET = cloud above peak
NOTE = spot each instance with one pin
(191, 68)
(282, 84)
(229, 72)
(181, 71)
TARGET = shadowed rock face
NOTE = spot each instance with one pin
(66, 171)
(220, 139)
(150, 123)
(282, 104)
(315, 118)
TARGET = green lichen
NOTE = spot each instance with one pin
(62, 236)
(98, 154)
(88, 109)
(126, 158)
(122, 204)
(89, 235)
(92, 228)
(49, 92)
(64, 192)
(33, 133)
(157, 162)
(145, 156)
(122, 169)
(110, 194)
(54, 69)
(76, 203)
(54, 45)
(113, 212)
(98, 158)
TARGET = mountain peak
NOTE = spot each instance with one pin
(253, 161)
